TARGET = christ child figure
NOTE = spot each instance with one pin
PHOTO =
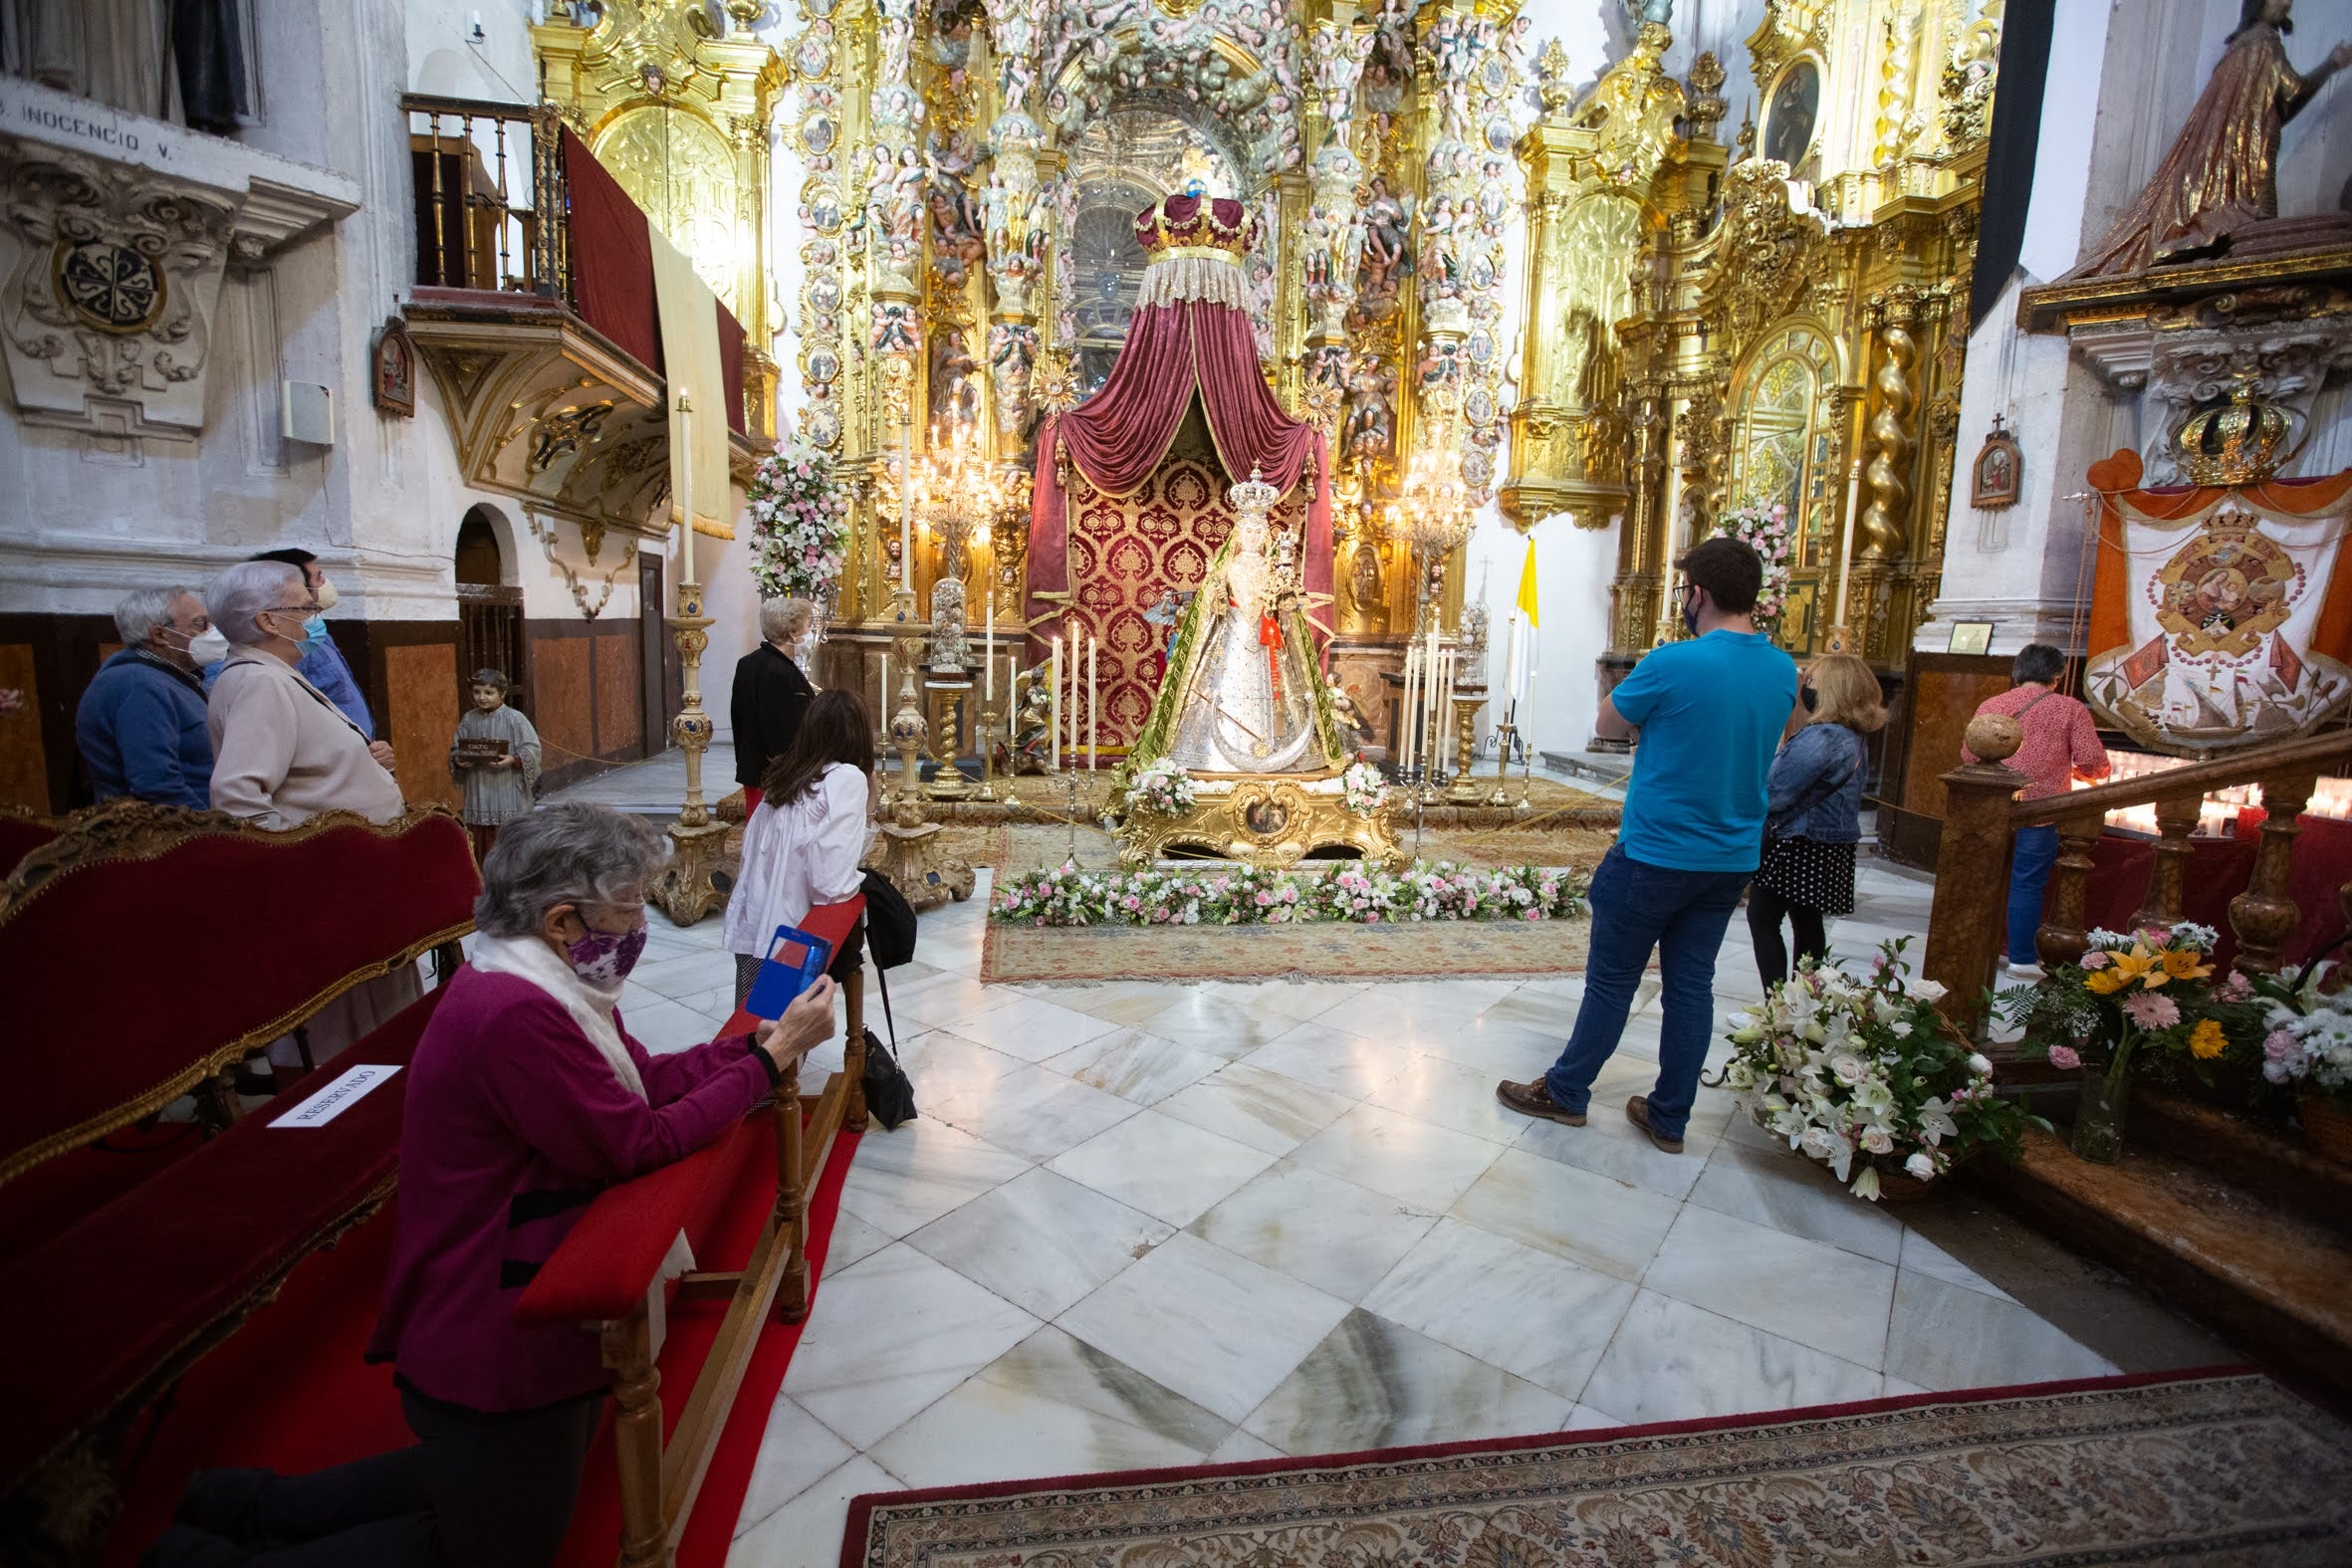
(494, 758)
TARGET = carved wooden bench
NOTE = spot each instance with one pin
(120, 1008)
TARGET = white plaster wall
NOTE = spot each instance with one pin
(1573, 569)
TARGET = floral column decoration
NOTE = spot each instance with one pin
(817, 63)
(892, 219)
(1332, 243)
(1015, 227)
(1473, 179)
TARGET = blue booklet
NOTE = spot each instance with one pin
(795, 960)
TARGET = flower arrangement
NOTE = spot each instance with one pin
(2135, 995)
(1864, 1076)
(799, 523)
(1766, 529)
(2307, 1037)
(1364, 788)
(2137, 1002)
(1163, 786)
(1253, 895)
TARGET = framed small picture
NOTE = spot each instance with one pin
(2000, 466)
(393, 371)
(1972, 636)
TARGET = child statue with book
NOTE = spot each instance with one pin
(494, 758)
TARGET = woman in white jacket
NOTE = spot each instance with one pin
(802, 848)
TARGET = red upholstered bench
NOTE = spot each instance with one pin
(606, 1270)
(123, 1284)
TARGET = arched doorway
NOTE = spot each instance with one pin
(489, 606)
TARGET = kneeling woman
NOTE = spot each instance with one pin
(801, 848)
(526, 1097)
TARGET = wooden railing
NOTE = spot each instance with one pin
(1967, 924)
(491, 207)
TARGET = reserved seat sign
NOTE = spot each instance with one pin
(339, 1096)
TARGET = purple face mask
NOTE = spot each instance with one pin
(604, 958)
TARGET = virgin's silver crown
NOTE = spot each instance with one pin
(1253, 493)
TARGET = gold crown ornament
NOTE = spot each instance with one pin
(1193, 224)
(1253, 493)
(2241, 442)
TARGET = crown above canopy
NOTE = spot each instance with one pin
(1196, 226)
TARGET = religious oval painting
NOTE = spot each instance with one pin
(1788, 121)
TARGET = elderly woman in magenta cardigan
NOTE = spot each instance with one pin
(526, 1097)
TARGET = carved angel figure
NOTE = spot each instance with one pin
(1387, 254)
(955, 389)
(1371, 420)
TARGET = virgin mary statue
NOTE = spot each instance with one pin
(1241, 696)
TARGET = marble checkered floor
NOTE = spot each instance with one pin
(1145, 1224)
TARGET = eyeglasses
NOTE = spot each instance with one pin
(306, 611)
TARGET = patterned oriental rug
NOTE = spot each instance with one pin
(2208, 1468)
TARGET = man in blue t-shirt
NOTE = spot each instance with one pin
(1710, 711)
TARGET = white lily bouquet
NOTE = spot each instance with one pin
(1864, 1076)
(1163, 787)
(1364, 788)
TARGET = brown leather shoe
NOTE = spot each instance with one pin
(1533, 1099)
(1637, 1111)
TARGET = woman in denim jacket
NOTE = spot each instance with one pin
(1813, 817)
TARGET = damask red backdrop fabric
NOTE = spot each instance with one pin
(1124, 553)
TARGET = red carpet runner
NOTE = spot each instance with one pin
(290, 1391)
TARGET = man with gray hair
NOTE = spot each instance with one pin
(141, 726)
(771, 693)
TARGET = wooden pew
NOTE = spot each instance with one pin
(116, 1010)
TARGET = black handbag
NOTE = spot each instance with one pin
(889, 922)
(890, 1097)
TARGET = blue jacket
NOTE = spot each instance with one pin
(141, 731)
(324, 668)
(1815, 787)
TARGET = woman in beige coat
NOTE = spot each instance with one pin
(284, 753)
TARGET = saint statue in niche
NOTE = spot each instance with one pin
(2221, 178)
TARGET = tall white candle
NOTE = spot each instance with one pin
(1093, 647)
(1431, 675)
(1845, 549)
(1511, 660)
(885, 689)
(906, 509)
(1053, 681)
(1440, 710)
(1405, 708)
(988, 656)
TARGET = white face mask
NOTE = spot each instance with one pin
(327, 596)
(208, 647)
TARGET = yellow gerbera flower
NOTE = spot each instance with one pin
(2205, 1041)
(2184, 964)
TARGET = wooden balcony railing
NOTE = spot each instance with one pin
(491, 207)
(1968, 923)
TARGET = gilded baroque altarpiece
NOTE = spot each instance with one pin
(1700, 326)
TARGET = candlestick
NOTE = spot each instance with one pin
(1054, 740)
(1093, 647)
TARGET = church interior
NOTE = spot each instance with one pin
(1531, 928)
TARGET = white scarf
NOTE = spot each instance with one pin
(591, 1007)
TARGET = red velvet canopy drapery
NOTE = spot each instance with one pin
(1118, 437)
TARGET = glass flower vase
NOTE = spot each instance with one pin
(2098, 1118)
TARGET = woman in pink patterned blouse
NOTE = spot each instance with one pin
(2061, 744)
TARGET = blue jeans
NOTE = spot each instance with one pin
(1682, 915)
(2029, 873)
